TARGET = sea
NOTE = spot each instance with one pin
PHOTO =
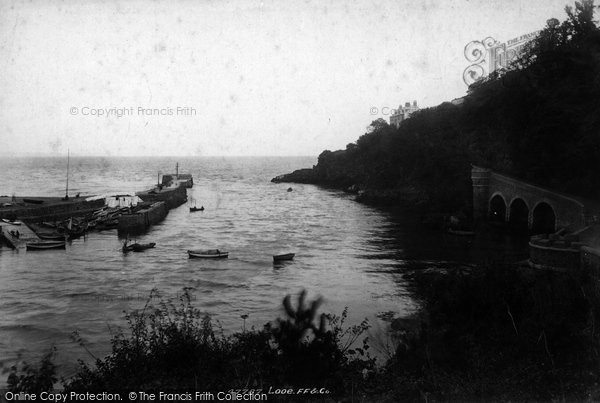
(351, 255)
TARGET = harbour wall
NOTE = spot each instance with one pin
(141, 220)
(173, 197)
(52, 211)
(567, 252)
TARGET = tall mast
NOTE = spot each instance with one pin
(67, 189)
(177, 170)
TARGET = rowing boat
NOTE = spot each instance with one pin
(284, 256)
(207, 254)
(43, 245)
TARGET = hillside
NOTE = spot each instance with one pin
(537, 120)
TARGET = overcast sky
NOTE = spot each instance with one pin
(262, 77)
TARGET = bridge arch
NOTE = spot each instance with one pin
(518, 217)
(497, 207)
(519, 197)
(543, 218)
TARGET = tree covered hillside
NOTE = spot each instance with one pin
(538, 120)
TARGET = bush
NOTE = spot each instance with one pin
(175, 347)
(24, 377)
(500, 331)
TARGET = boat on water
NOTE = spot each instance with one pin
(11, 222)
(137, 247)
(33, 201)
(283, 257)
(45, 244)
(207, 254)
(51, 237)
(192, 209)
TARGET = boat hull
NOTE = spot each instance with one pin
(45, 245)
(283, 257)
(142, 247)
(207, 254)
(137, 247)
(51, 237)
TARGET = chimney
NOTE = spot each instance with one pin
(415, 104)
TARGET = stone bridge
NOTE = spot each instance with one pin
(498, 197)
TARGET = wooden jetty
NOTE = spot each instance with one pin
(26, 234)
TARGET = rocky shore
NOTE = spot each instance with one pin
(365, 193)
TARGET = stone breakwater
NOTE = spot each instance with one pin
(85, 213)
(46, 208)
(141, 220)
(162, 198)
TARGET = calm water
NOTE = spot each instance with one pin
(351, 254)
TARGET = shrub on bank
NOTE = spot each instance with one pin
(503, 332)
(176, 348)
(494, 332)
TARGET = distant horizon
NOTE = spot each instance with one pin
(61, 156)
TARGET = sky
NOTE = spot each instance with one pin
(232, 77)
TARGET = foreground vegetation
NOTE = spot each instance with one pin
(495, 332)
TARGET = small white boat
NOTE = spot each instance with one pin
(42, 245)
(207, 254)
(12, 222)
(284, 256)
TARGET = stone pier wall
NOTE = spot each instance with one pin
(142, 220)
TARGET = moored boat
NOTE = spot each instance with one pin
(51, 237)
(42, 245)
(207, 254)
(137, 247)
(11, 222)
(192, 209)
(284, 256)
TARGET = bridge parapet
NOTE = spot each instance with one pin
(512, 200)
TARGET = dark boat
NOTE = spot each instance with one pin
(51, 237)
(192, 209)
(284, 256)
(43, 245)
(289, 189)
(137, 247)
(33, 201)
(207, 254)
